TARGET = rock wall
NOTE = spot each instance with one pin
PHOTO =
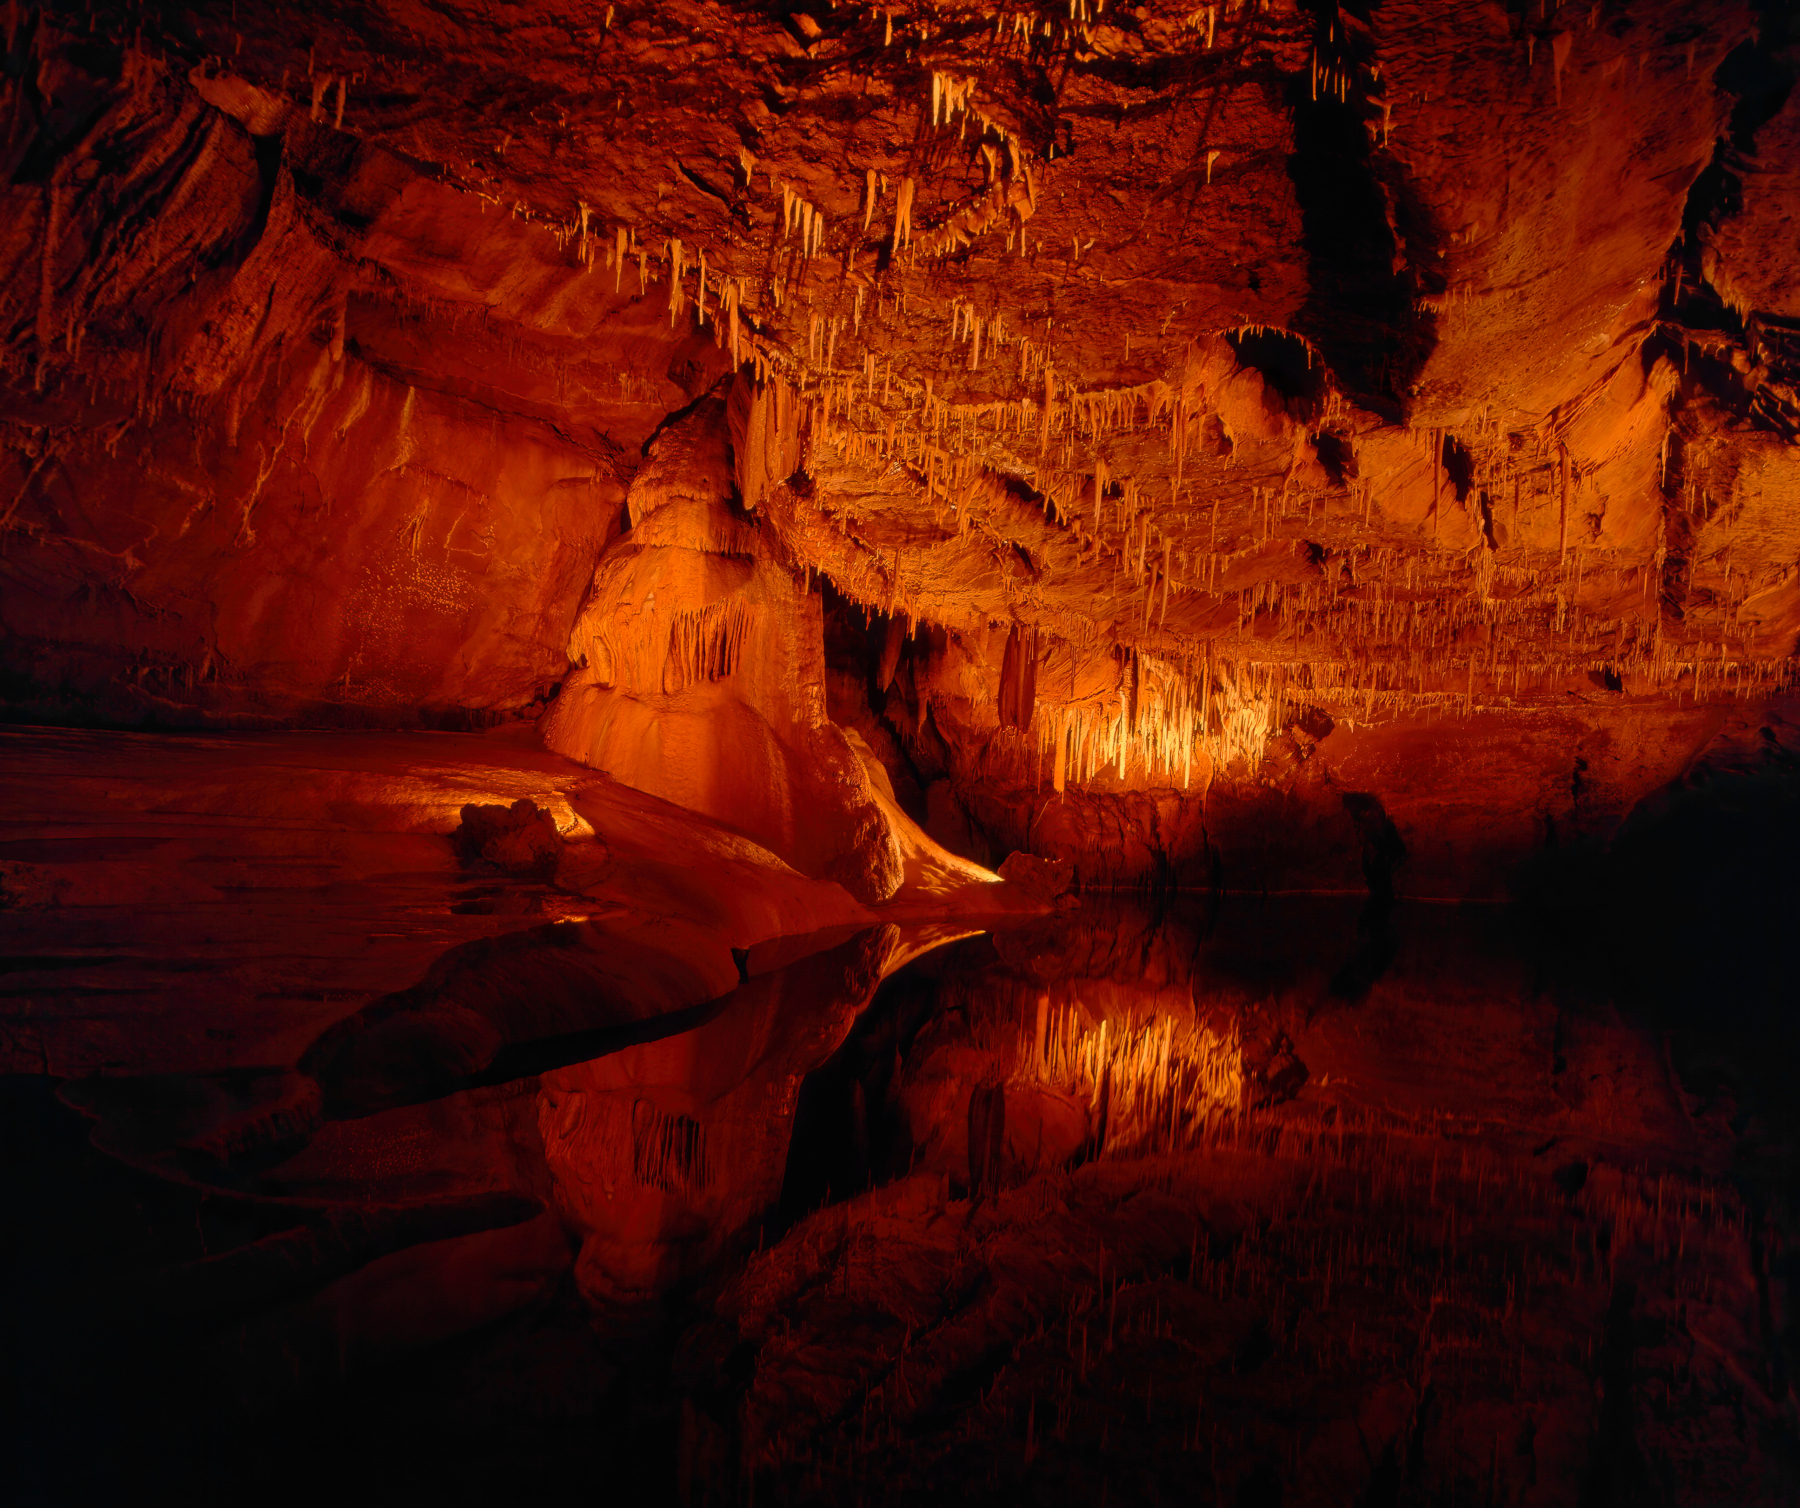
(276, 449)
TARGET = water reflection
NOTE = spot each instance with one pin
(1173, 1092)
(1140, 1203)
(566, 1098)
(1118, 1029)
(665, 1152)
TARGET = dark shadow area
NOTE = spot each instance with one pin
(236, 1295)
(1383, 852)
(877, 664)
(1687, 919)
(1286, 364)
(846, 1136)
(1369, 242)
(1688, 925)
(129, 1298)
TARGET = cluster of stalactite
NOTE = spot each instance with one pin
(1174, 721)
(1376, 621)
(1140, 485)
(1162, 718)
(668, 1151)
(698, 645)
(1174, 545)
(717, 290)
(705, 644)
(752, 314)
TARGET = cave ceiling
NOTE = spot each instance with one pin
(1403, 354)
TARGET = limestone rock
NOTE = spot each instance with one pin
(1041, 879)
(520, 839)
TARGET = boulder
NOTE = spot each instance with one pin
(520, 839)
(1041, 879)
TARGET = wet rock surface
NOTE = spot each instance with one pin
(1042, 879)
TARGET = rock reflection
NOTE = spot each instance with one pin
(572, 1097)
(665, 1152)
(1039, 1047)
(984, 1217)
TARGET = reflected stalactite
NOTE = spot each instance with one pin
(665, 1156)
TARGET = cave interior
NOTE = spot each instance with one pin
(1198, 900)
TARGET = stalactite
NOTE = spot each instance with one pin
(903, 202)
(675, 269)
(668, 1151)
(1018, 678)
(1562, 543)
(706, 644)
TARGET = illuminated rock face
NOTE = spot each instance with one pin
(699, 672)
(242, 500)
(1191, 413)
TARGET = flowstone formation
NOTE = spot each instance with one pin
(699, 669)
(1177, 400)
